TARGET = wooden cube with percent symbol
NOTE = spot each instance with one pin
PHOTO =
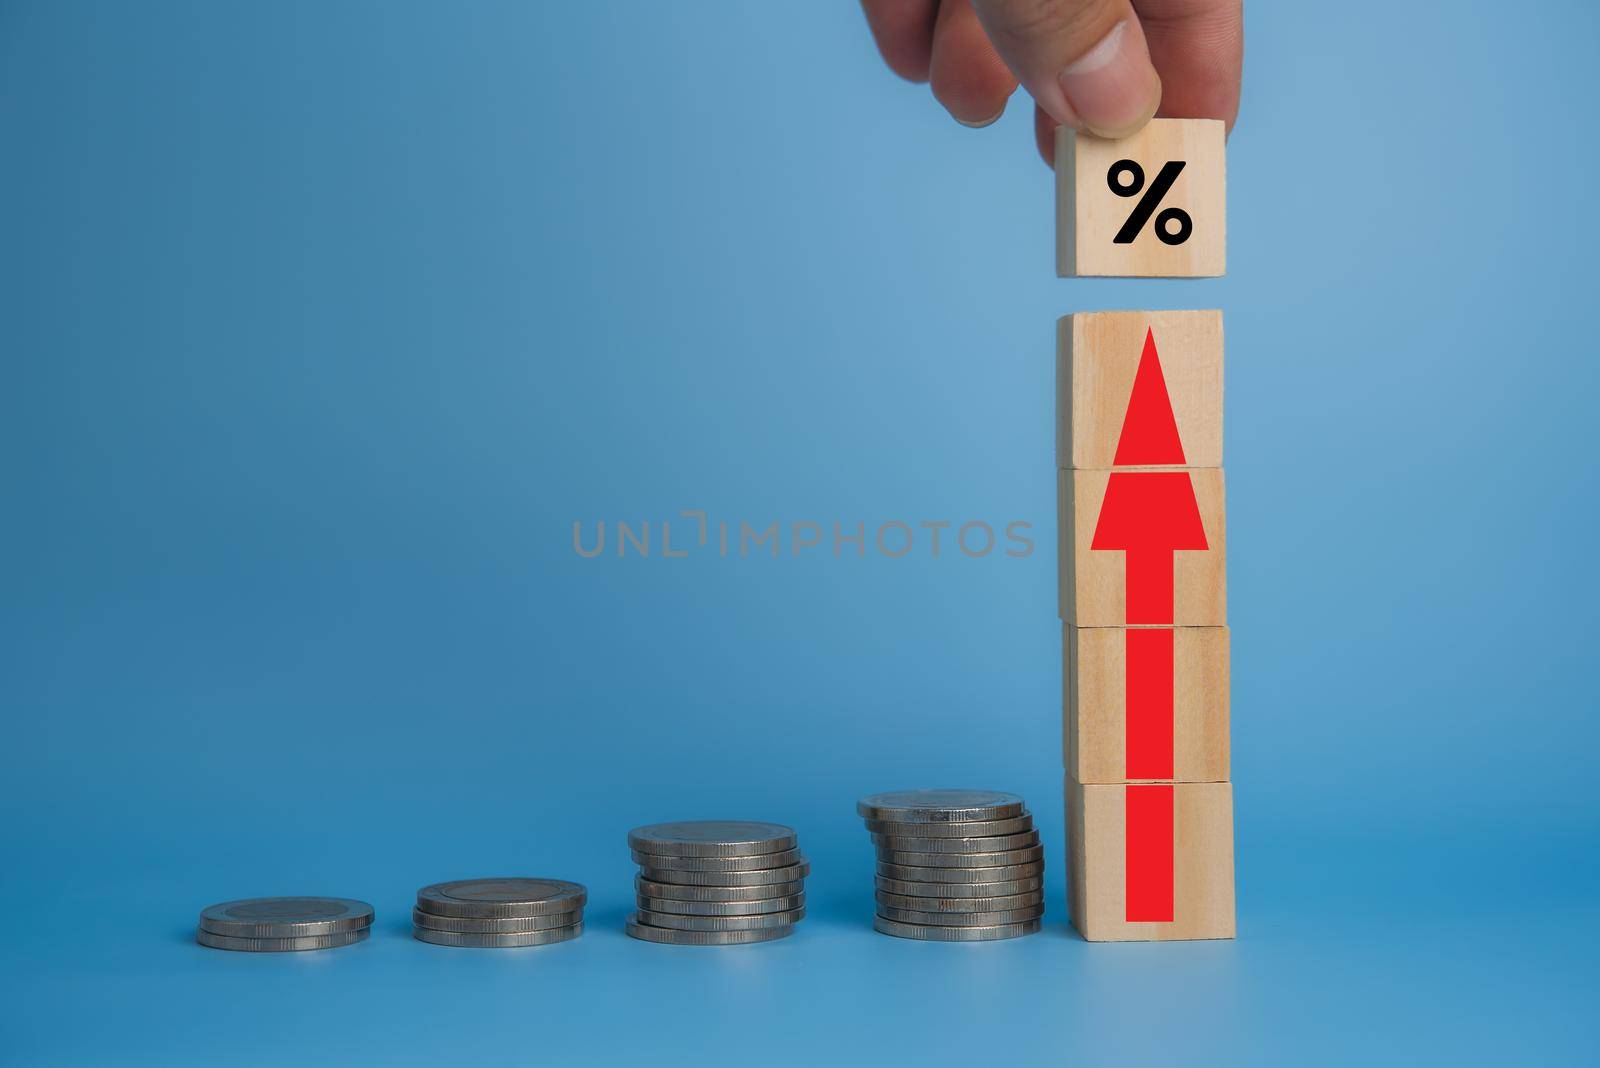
(1145, 703)
(1147, 206)
(1150, 861)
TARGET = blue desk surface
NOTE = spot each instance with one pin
(1341, 959)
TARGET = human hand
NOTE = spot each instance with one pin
(1105, 66)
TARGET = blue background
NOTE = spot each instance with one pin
(323, 323)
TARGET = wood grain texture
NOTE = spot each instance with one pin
(1093, 581)
(1203, 892)
(1089, 214)
(1097, 356)
(1094, 706)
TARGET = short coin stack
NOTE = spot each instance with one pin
(499, 913)
(284, 924)
(955, 865)
(717, 882)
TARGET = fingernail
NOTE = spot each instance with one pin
(980, 123)
(1113, 87)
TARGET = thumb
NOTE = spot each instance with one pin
(1084, 61)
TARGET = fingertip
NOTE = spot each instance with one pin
(978, 124)
(910, 60)
(967, 75)
(903, 32)
(973, 94)
(1199, 51)
(1114, 87)
(1044, 135)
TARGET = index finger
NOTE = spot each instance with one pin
(904, 32)
(1197, 46)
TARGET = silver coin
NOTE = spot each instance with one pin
(959, 890)
(668, 936)
(720, 908)
(910, 874)
(1000, 918)
(670, 891)
(286, 917)
(728, 878)
(965, 829)
(960, 904)
(711, 838)
(494, 898)
(280, 945)
(757, 862)
(468, 940)
(932, 933)
(940, 806)
(993, 844)
(1010, 857)
(676, 922)
(495, 925)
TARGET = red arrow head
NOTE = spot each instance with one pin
(1149, 510)
(1149, 430)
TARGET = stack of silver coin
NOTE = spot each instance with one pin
(717, 882)
(284, 924)
(955, 865)
(499, 913)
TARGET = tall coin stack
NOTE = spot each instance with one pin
(955, 865)
(717, 882)
(284, 924)
(499, 913)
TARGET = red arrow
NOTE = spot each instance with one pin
(1149, 853)
(1149, 431)
(1149, 703)
(1148, 516)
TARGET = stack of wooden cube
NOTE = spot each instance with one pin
(1142, 542)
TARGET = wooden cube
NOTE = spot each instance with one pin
(1178, 867)
(1172, 419)
(1146, 703)
(1148, 524)
(1127, 209)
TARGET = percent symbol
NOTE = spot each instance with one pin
(1126, 178)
